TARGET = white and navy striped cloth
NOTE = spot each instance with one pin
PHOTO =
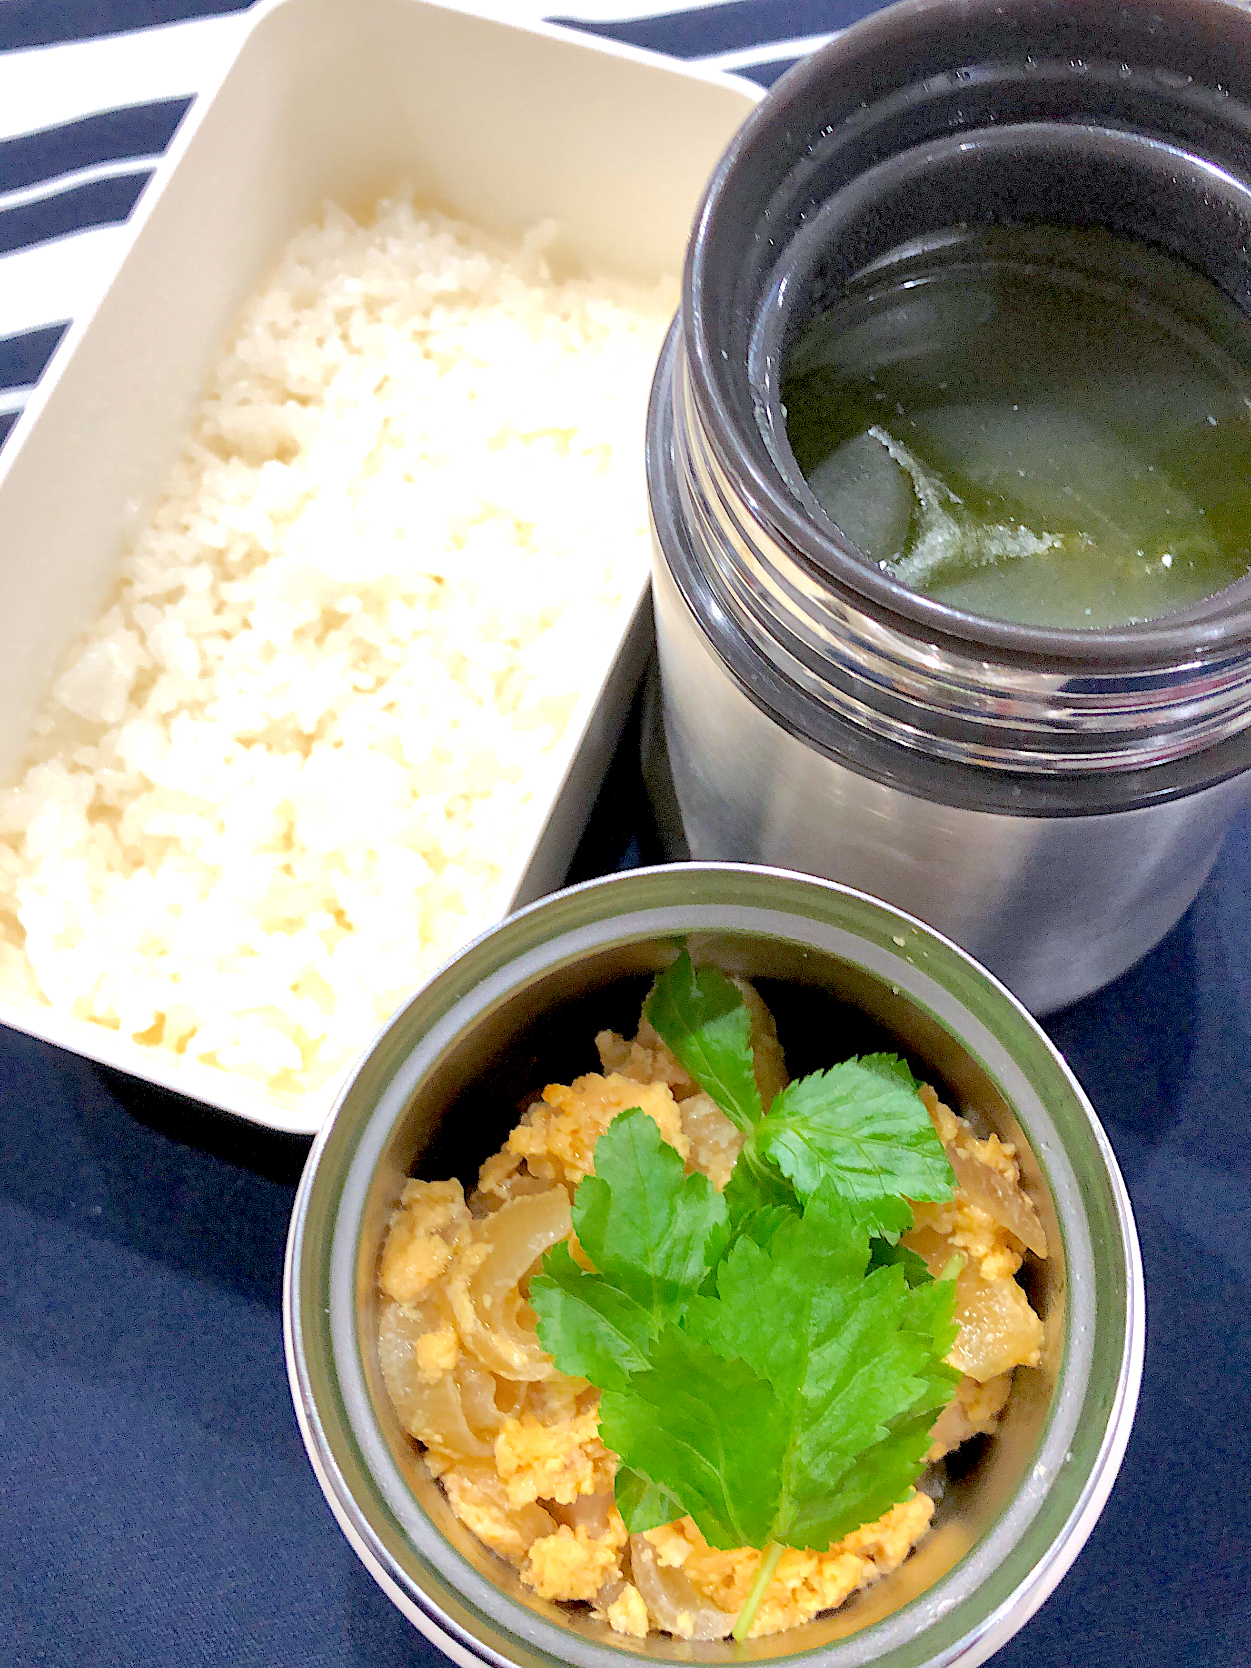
(91, 92)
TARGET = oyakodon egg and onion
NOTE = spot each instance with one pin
(515, 1442)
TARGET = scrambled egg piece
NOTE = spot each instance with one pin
(424, 1230)
(553, 1462)
(805, 1582)
(627, 1613)
(518, 1451)
(437, 1352)
(644, 1061)
(557, 1136)
(573, 1563)
(998, 1329)
(479, 1500)
(968, 1228)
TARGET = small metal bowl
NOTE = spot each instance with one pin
(844, 973)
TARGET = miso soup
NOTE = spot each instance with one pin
(1039, 425)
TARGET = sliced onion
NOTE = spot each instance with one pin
(495, 1321)
(479, 1498)
(1003, 1201)
(487, 1400)
(519, 1233)
(670, 1595)
(431, 1410)
(998, 1329)
(588, 1511)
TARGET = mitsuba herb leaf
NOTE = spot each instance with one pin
(653, 1234)
(757, 1197)
(886, 1251)
(860, 1127)
(771, 1359)
(642, 1505)
(795, 1404)
(588, 1326)
(702, 1429)
(648, 1227)
(705, 1024)
(861, 1124)
(891, 1067)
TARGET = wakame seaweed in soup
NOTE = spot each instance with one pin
(1042, 425)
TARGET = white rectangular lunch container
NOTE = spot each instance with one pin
(499, 124)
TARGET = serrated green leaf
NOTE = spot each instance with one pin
(882, 1476)
(704, 1430)
(706, 1026)
(887, 1251)
(792, 1406)
(642, 1505)
(891, 1067)
(886, 1217)
(591, 1329)
(860, 1128)
(933, 1315)
(652, 1232)
(755, 1192)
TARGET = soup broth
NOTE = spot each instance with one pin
(1035, 424)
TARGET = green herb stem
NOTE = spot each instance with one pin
(769, 1560)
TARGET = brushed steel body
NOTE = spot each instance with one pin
(1050, 798)
(1055, 906)
(437, 1092)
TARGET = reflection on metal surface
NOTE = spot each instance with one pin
(438, 1092)
(1053, 799)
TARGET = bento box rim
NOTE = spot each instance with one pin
(256, 20)
(223, 1090)
(304, 1308)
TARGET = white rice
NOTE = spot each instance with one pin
(285, 774)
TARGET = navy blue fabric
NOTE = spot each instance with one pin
(97, 203)
(23, 357)
(30, 159)
(140, 130)
(45, 22)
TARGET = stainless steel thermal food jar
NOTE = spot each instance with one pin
(437, 1092)
(1052, 799)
